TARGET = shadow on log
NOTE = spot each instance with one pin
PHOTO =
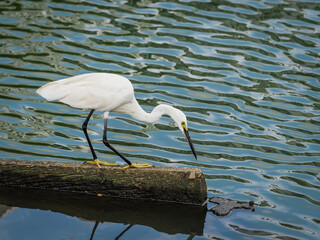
(164, 217)
(166, 184)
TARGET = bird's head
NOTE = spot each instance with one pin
(181, 120)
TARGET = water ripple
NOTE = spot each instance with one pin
(246, 73)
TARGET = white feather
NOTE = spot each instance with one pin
(100, 91)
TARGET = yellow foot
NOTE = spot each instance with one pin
(137, 165)
(98, 162)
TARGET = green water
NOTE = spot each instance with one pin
(246, 74)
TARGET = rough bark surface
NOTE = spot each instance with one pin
(170, 184)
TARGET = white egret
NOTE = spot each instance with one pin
(108, 93)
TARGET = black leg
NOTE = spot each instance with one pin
(84, 128)
(105, 141)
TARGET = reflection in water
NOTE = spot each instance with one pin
(120, 235)
(168, 218)
(5, 210)
(94, 229)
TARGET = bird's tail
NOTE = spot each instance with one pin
(52, 91)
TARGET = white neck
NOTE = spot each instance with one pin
(134, 110)
(155, 115)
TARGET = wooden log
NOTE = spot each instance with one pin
(169, 184)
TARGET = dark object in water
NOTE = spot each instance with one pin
(225, 206)
(163, 217)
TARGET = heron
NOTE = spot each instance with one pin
(107, 92)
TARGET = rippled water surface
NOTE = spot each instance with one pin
(246, 73)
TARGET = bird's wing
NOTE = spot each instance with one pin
(100, 91)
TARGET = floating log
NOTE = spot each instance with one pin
(168, 184)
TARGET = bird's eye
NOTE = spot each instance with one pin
(184, 126)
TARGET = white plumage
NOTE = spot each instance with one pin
(100, 91)
(107, 92)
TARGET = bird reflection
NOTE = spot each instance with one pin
(123, 232)
(118, 237)
(94, 229)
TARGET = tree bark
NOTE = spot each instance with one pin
(169, 184)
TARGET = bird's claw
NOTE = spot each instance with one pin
(98, 162)
(137, 165)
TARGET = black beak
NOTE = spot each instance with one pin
(186, 133)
